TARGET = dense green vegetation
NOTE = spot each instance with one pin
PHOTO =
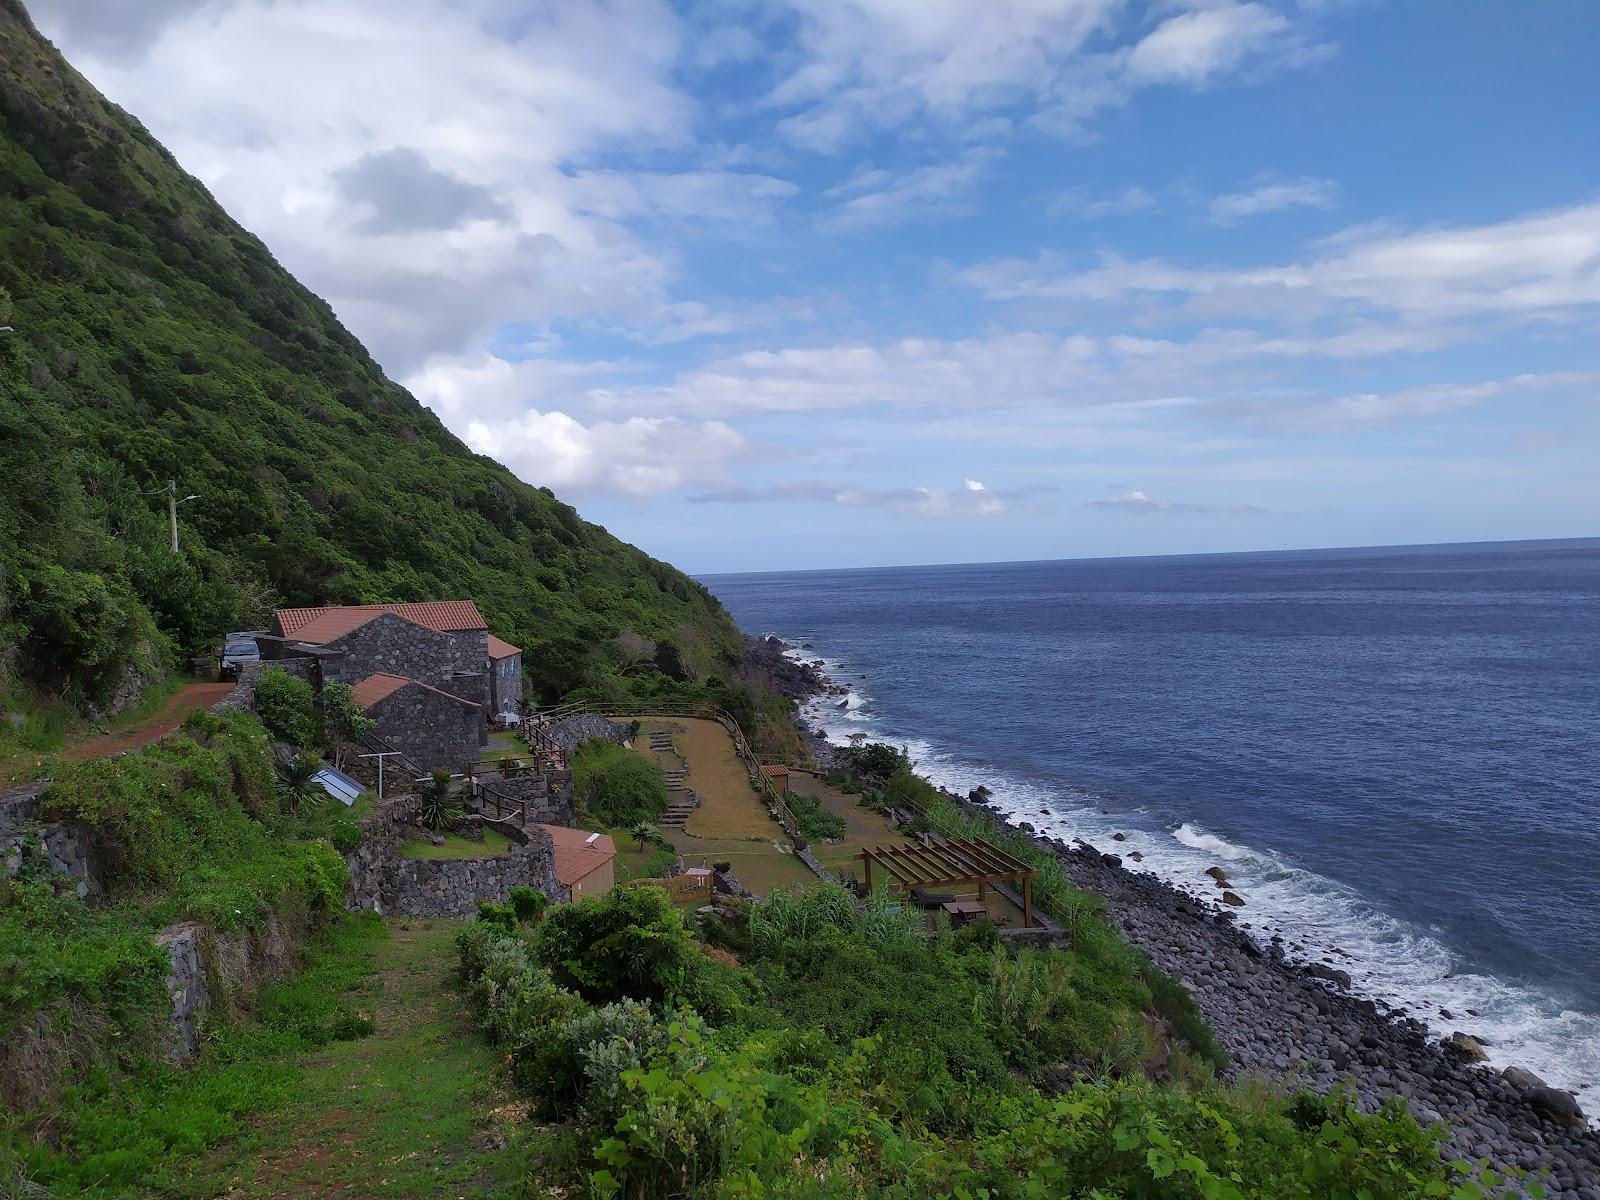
(157, 340)
(816, 820)
(188, 830)
(614, 786)
(854, 1055)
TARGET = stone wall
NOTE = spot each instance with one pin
(457, 663)
(547, 796)
(572, 731)
(28, 845)
(452, 887)
(382, 880)
(432, 730)
(243, 696)
(186, 985)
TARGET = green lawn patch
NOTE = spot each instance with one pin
(456, 846)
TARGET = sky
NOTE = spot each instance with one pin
(827, 283)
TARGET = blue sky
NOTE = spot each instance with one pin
(862, 282)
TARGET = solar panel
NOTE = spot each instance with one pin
(338, 785)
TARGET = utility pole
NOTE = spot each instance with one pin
(172, 508)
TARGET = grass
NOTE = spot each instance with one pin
(731, 825)
(412, 1110)
(456, 846)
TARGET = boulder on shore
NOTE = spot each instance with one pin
(1521, 1078)
(1464, 1045)
(1558, 1106)
(1233, 899)
(1218, 874)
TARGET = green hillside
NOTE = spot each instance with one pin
(156, 339)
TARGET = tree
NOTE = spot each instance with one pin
(628, 944)
(617, 786)
(344, 719)
(441, 805)
(288, 708)
(297, 788)
(644, 833)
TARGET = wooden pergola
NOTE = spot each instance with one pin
(952, 862)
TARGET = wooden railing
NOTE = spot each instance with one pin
(679, 887)
(505, 806)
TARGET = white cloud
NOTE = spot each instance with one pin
(1194, 46)
(1076, 202)
(1539, 265)
(639, 457)
(886, 64)
(1271, 196)
(971, 499)
(1145, 504)
(432, 167)
(876, 197)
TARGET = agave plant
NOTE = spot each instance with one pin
(441, 805)
(297, 786)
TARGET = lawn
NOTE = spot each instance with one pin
(412, 1110)
(731, 825)
(456, 846)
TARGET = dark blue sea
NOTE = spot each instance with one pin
(1395, 753)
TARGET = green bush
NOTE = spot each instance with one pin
(617, 787)
(627, 944)
(345, 835)
(881, 1062)
(528, 903)
(288, 708)
(817, 822)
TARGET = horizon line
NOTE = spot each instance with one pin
(1014, 562)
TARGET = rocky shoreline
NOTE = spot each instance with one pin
(1300, 1024)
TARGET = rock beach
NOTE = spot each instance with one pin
(1278, 1019)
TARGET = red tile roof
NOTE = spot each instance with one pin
(500, 648)
(383, 685)
(777, 772)
(576, 856)
(318, 625)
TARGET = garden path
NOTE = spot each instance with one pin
(412, 1110)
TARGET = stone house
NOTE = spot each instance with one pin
(444, 644)
(434, 728)
(505, 677)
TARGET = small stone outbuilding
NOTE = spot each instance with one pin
(432, 726)
(505, 677)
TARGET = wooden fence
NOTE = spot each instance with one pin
(679, 887)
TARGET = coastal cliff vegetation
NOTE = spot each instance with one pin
(155, 339)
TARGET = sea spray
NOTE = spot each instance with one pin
(1317, 920)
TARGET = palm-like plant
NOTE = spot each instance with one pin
(297, 786)
(644, 833)
(441, 806)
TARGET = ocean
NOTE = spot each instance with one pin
(1394, 752)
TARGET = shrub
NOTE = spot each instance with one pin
(529, 904)
(628, 944)
(817, 822)
(617, 786)
(288, 708)
(297, 786)
(345, 835)
(441, 805)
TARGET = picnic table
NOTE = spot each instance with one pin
(963, 911)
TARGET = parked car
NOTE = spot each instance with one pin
(238, 649)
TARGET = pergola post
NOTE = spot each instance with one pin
(1027, 901)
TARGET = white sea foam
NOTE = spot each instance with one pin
(1393, 962)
